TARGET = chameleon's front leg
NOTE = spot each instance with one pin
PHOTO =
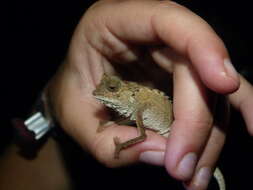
(140, 127)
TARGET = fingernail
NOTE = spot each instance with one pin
(230, 70)
(187, 165)
(202, 178)
(152, 157)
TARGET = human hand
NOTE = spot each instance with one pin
(123, 31)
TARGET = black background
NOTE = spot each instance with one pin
(35, 41)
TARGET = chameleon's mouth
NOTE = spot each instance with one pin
(100, 98)
(103, 99)
(108, 102)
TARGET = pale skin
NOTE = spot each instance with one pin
(113, 31)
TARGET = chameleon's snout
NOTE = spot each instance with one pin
(94, 92)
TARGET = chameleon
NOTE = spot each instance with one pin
(148, 108)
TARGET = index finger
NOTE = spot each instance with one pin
(168, 23)
(193, 121)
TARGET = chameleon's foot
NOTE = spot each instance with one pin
(118, 147)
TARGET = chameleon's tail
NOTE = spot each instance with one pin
(220, 179)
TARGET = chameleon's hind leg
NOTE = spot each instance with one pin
(140, 127)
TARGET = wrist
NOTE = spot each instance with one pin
(31, 133)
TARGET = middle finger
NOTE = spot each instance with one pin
(193, 121)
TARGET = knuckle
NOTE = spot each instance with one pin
(103, 152)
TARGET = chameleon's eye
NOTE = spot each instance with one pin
(113, 86)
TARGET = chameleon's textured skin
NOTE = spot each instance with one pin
(127, 98)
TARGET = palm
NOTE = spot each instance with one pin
(106, 41)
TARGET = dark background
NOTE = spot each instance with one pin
(35, 43)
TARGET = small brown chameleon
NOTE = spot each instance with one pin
(148, 108)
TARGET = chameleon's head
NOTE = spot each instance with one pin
(108, 87)
(109, 90)
(114, 93)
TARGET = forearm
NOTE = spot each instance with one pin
(46, 171)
